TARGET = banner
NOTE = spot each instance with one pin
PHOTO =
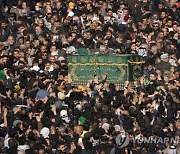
(119, 68)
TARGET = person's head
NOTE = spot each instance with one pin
(12, 143)
(169, 23)
(110, 12)
(133, 47)
(150, 67)
(89, 7)
(172, 3)
(174, 8)
(12, 17)
(154, 49)
(103, 49)
(4, 59)
(40, 60)
(63, 62)
(38, 30)
(20, 41)
(22, 54)
(27, 43)
(104, 5)
(160, 6)
(155, 16)
(53, 129)
(165, 31)
(44, 56)
(48, 65)
(53, 48)
(24, 5)
(175, 27)
(54, 30)
(16, 54)
(176, 75)
(41, 150)
(171, 85)
(38, 6)
(160, 34)
(159, 72)
(156, 26)
(163, 14)
(52, 59)
(11, 40)
(48, 3)
(152, 77)
(79, 38)
(35, 43)
(61, 147)
(3, 24)
(78, 130)
(49, 14)
(43, 48)
(58, 5)
(40, 22)
(108, 34)
(88, 35)
(119, 36)
(60, 76)
(165, 57)
(21, 64)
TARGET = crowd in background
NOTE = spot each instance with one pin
(42, 111)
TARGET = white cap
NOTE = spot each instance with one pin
(63, 113)
(61, 96)
(35, 68)
(23, 147)
(172, 149)
(70, 49)
(106, 125)
(54, 53)
(61, 58)
(64, 116)
(172, 62)
(71, 14)
(45, 132)
(79, 107)
(155, 21)
(164, 56)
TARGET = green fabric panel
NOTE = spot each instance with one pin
(119, 68)
(2, 75)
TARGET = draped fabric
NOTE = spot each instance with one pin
(2, 75)
(119, 68)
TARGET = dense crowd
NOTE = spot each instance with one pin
(42, 111)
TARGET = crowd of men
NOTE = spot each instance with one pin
(42, 111)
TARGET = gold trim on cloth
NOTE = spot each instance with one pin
(72, 73)
(101, 64)
(123, 72)
(136, 62)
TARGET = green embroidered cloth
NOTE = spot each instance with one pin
(2, 75)
(119, 68)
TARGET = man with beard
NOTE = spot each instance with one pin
(10, 44)
(88, 40)
(61, 149)
(110, 38)
(4, 30)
